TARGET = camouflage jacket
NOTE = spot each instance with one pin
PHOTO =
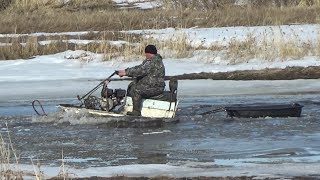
(149, 73)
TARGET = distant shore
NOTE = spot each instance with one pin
(289, 73)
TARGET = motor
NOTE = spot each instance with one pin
(92, 102)
(111, 98)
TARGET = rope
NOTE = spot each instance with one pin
(43, 112)
(220, 109)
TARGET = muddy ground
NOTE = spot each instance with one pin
(289, 73)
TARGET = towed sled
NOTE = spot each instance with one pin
(116, 103)
(264, 110)
(258, 110)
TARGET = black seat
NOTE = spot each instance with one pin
(166, 96)
(171, 95)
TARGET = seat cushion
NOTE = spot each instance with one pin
(165, 96)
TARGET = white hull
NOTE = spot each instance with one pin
(150, 108)
(153, 108)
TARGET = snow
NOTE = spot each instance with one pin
(76, 72)
(75, 64)
(48, 34)
(224, 35)
(66, 74)
(191, 169)
(141, 4)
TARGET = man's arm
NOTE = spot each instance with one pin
(140, 70)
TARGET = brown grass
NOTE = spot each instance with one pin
(26, 47)
(32, 48)
(317, 49)
(9, 159)
(237, 51)
(26, 16)
(290, 50)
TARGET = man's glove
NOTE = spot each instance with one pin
(121, 72)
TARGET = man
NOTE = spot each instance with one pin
(149, 79)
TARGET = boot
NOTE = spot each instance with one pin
(137, 103)
(134, 113)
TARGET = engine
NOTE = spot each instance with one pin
(111, 98)
(108, 101)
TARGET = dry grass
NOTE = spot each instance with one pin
(32, 48)
(284, 3)
(178, 46)
(26, 47)
(9, 159)
(290, 50)
(26, 16)
(270, 50)
(132, 48)
(9, 162)
(238, 51)
(317, 49)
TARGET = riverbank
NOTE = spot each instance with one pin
(289, 73)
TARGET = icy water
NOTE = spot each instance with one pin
(213, 140)
(198, 138)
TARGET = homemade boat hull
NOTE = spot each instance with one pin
(110, 119)
(153, 108)
(150, 108)
(264, 110)
(112, 107)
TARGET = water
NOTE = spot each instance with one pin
(213, 138)
(199, 141)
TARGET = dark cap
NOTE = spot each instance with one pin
(150, 49)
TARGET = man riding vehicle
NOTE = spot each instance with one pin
(149, 79)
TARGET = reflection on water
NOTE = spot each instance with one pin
(213, 138)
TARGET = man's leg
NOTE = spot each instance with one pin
(134, 93)
(137, 103)
(137, 92)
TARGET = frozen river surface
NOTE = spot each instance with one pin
(216, 143)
